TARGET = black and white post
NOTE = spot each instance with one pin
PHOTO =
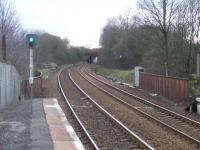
(31, 38)
(31, 71)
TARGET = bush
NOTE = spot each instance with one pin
(195, 85)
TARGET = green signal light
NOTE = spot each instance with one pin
(31, 39)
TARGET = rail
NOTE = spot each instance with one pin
(143, 113)
(139, 140)
(74, 114)
(149, 103)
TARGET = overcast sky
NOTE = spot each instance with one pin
(81, 21)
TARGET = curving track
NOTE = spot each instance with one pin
(186, 127)
(155, 132)
(100, 127)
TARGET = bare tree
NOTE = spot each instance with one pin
(127, 21)
(179, 40)
(160, 13)
(9, 23)
(193, 22)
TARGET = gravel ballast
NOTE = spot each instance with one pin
(160, 137)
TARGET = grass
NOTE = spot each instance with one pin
(126, 76)
(45, 73)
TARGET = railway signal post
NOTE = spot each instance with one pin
(31, 39)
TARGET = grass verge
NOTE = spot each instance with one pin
(45, 72)
(126, 76)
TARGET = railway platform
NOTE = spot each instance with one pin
(62, 133)
(36, 124)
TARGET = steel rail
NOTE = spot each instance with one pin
(74, 113)
(133, 135)
(144, 114)
(150, 103)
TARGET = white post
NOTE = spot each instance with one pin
(198, 63)
(198, 105)
(31, 71)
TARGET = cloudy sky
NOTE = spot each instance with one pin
(81, 21)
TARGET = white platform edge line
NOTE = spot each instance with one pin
(68, 127)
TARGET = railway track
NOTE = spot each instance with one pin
(156, 134)
(185, 127)
(101, 128)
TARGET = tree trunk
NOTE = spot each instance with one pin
(189, 59)
(165, 34)
(4, 47)
(166, 48)
(198, 63)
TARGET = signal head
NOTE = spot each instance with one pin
(31, 39)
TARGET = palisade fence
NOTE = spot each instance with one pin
(176, 89)
(10, 82)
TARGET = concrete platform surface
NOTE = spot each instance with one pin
(37, 124)
(40, 137)
(23, 126)
(62, 133)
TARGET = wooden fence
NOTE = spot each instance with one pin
(37, 87)
(176, 89)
